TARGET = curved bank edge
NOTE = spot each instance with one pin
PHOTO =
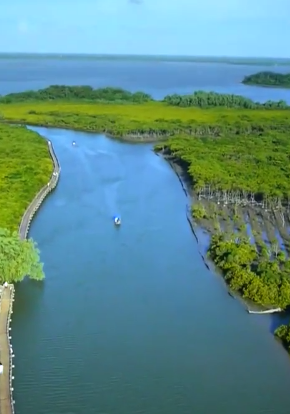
(23, 233)
(39, 198)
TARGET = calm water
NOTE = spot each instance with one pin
(129, 320)
(156, 78)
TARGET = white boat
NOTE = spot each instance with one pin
(117, 221)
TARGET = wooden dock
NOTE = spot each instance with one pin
(7, 295)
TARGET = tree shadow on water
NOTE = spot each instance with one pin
(278, 319)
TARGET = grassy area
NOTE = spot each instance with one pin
(151, 120)
(237, 165)
(25, 167)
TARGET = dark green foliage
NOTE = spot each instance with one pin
(25, 167)
(198, 211)
(283, 333)
(77, 93)
(255, 276)
(199, 99)
(203, 99)
(254, 163)
(268, 79)
(18, 258)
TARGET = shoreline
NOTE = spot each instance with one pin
(40, 196)
(132, 139)
(267, 86)
(7, 352)
(250, 308)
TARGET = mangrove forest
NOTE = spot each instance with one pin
(253, 272)
(234, 152)
(25, 167)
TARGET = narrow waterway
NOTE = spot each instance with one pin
(129, 320)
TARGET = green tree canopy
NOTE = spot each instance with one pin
(268, 78)
(18, 258)
(77, 93)
(204, 99)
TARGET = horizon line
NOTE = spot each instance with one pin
(132, 55)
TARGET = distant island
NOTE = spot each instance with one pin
(229, 60)
(268, 79)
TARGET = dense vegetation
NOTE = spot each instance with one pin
(268, 79)
(252, 272)
(241, 169)
(236, 164)
(76, 93)
(152, 120)
(203, 99)
(283, 333)
(18, 258)
(25, 167)
(199, 99)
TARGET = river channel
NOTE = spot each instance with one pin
(129, 320)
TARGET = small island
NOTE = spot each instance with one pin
(271, 79)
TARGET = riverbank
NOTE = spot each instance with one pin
(40, 196)
(228, 219)
(209, 229)
(25, 165)
(7, 294)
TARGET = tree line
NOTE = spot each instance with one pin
(200, 99)
(153, 120)
(235, 164)
(77, 93)
(268, 78)
(203, 99)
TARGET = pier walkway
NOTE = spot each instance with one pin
(39, 198)
(7, 296)
(6, 300)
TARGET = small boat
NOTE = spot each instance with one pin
(117, 221)
(73, 143)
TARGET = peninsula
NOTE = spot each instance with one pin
(278, 80)
(234, 151)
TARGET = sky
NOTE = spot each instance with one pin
(250, 28)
